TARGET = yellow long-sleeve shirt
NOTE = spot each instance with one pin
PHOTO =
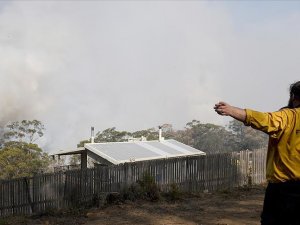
(283, 128)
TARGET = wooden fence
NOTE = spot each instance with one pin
(252, 167)
(70, 188)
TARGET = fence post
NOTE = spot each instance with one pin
(205, 174)
(28, 194)
(127, 174)
(188, 174)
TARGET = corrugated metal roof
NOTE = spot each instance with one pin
(121, 152)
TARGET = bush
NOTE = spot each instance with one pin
(174, 193)
(145, 188)
(113, 198)
(150, 189)
(132, 193)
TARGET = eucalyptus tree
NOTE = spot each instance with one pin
(247, 137)
(208, 137)
(19, 154)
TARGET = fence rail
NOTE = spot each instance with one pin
(191, 174)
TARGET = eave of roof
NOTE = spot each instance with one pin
(70, 152)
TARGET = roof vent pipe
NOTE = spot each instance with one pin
(160, 138)
(92, 135)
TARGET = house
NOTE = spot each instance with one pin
(114, 153)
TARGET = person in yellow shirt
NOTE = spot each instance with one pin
(282, 197)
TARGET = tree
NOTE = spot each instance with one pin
(75, 159)
(247, 137)
(19, 159)
(168, 131)
(19, 155)
(150, 134)
(208, 137)
(1, 136)
(25, 131)
(111, 135)
(81, 143)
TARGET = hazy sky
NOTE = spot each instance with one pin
(138, 64)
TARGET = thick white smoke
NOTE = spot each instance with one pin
(129, 64)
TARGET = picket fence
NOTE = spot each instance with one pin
(31, 195)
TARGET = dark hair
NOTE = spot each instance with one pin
(295, 89)
(294, 93)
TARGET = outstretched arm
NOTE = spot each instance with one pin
(225, 109)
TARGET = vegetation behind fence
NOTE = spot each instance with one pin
(190, 174)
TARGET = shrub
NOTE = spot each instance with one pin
(145, 188)
(150, 189)
(132, 193)
(174, 193)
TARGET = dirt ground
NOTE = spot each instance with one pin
(238, 207)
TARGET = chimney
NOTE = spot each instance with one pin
(160, 138)
(92, 135)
